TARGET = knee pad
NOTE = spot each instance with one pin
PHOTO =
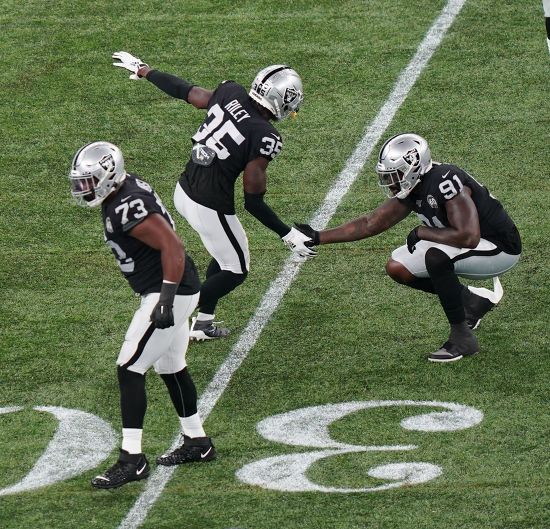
(438, 262)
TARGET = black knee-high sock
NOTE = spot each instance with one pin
(548, 27)
(218, 284)
(446, 284)
(133, 399)
(213, 268)
(422, 283)
(182, 392)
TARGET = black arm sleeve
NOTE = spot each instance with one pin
(172, 85)
(255, 205)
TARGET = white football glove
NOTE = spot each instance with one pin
(128, 61)
(296, 240)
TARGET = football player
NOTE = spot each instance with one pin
(465, 232)
(236, 136)
(140, 233)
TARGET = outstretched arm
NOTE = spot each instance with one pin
(388, 214)
(255, 185)
(171, 84)
(177, 87)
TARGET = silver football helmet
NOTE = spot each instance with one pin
(96, 170)
(402, 161)
(279, 89)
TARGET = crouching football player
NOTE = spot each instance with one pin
(465, 232)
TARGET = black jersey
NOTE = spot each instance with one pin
(139, 263)
(441, 184)
(232, 134)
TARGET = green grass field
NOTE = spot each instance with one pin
(344, 332)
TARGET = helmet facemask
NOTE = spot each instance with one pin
(96, 171)
(278, 88)
(402, 161)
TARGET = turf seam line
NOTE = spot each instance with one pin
(276, 291)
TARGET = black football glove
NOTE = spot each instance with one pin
(412, 239)
(308, 231)
(163, 314)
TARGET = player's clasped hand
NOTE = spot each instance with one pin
(307, 230)
(298, 243)
(129, 62)
(412, 239)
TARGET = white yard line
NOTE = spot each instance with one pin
(272, 298)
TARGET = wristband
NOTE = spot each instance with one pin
(168, 293)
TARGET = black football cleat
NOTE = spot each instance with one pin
(206, 330)
(451, 351)
(479, 301)
(198, 449)
(129, 467)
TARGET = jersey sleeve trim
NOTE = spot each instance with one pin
(130, 225)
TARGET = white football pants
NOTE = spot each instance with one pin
(482, 262)
(222, 235)
(164, 349)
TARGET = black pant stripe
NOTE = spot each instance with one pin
(141, 346)
(479, 253)
(233, 241)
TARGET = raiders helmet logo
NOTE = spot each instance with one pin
(412, 157)
(290, 95)
(108, 163)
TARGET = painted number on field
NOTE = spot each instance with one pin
(308, 427)
(80, 443)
